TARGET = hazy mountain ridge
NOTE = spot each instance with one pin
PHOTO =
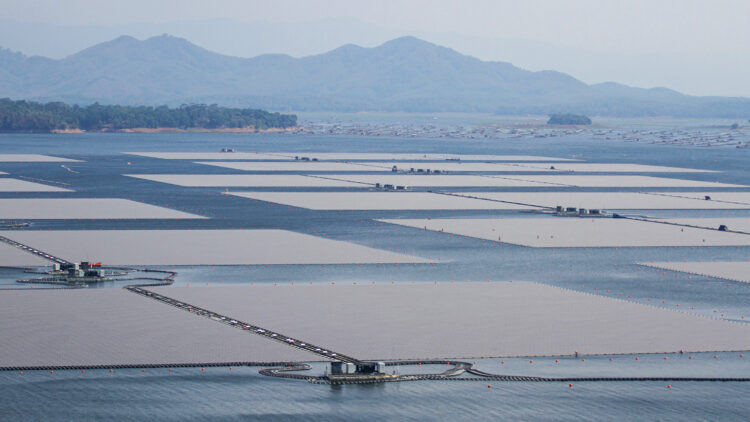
(405, 74)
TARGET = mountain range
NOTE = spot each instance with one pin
(405, 74)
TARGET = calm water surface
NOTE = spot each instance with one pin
(242, 394)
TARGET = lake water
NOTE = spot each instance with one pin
(241, 394)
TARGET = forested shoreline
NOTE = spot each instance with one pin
(32, 117)
(568, 119)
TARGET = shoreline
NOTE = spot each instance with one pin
(177, 130)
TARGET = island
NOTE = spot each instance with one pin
(568, 119)
(57, 117)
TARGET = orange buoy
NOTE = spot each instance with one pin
(570, 385)
(489, 386)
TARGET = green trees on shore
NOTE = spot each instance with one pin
(27, 116)
(568, 119)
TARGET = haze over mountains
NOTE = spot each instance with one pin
(405, 74)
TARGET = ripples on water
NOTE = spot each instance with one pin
(241, 394)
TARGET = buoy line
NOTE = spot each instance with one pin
(460, 368)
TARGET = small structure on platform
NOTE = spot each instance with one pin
(346, 372)
(342, 368)
(579, 212)
(7, 224)
(360, 368)
(83, 271)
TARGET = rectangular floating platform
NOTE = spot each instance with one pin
(116, 327)
(11, 256)
(620, 181)
(465, 320)
(607, 200)
(728, 197)
(537, 167)
(603, 168)
(15, 185)
(377, 201)
(552, 181)
(292, 166)
(245, 180)
(85, 208)
(410, 180)
(737, 271)
(201, 247)
(453, 166)
(34, 158)
(732, 223)
(406, 156)
(577, 232)
(206, 155)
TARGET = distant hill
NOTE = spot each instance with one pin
(405, 74)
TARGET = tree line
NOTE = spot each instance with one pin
(568, 119)
(29, 116)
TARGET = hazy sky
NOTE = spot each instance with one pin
(698, 47)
